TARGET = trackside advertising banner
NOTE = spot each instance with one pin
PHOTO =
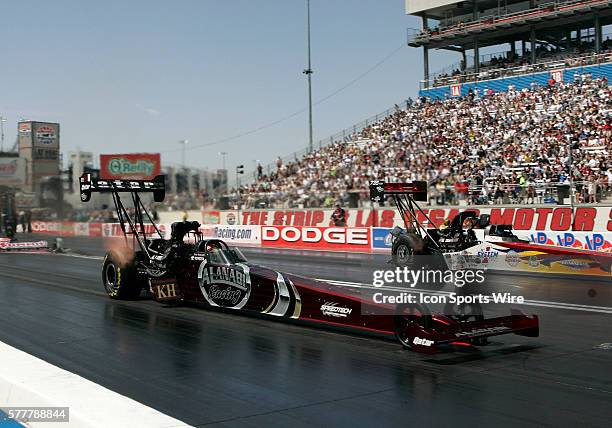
(113, 230)
(381, 239)
(377, 239)
(362, 239)
(544, 219)
(356, 239)
(234, 235)
(133, 166)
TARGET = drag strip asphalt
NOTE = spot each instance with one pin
(210, 368)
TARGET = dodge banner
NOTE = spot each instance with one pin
(317, 238)
(133, 166)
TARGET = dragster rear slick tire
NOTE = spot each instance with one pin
(121, 282)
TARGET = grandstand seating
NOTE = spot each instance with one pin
(522, 77)
(552, 10)
(489, 146)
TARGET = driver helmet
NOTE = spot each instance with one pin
(469, 222)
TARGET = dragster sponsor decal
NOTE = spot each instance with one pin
(331, 309)
(164, 289)
(225, 286)
(422, 342)
(481, 331)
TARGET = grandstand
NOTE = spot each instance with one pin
(521, 127)
(541, 38)
(508, 147)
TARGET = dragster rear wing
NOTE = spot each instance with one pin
(416, 189)
(90, 185)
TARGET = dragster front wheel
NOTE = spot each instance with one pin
(120, 280)
(406, 248)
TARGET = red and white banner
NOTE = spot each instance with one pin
(95, 230)
(455, 90)
(557, 75)
(317, 238)
(553, 218)
(81, 229)
(53, 227)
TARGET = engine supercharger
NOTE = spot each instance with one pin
(319, 238)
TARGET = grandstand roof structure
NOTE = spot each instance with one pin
(534, 29)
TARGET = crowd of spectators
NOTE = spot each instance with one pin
(485, 148)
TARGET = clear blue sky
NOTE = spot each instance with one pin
(128, 76)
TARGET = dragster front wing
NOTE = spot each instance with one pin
(426, 339)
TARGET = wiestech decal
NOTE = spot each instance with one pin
(331, 309)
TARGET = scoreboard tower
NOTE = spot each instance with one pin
(39, 146)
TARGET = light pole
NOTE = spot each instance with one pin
(183, 143)
(2, 120)
(223, 155)
(308, 72)
(572, 192)
(255, 172)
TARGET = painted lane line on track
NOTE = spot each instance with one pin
(68, 254)
(76, 256)
(29, 381)
(539, 303)
(605, 346)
